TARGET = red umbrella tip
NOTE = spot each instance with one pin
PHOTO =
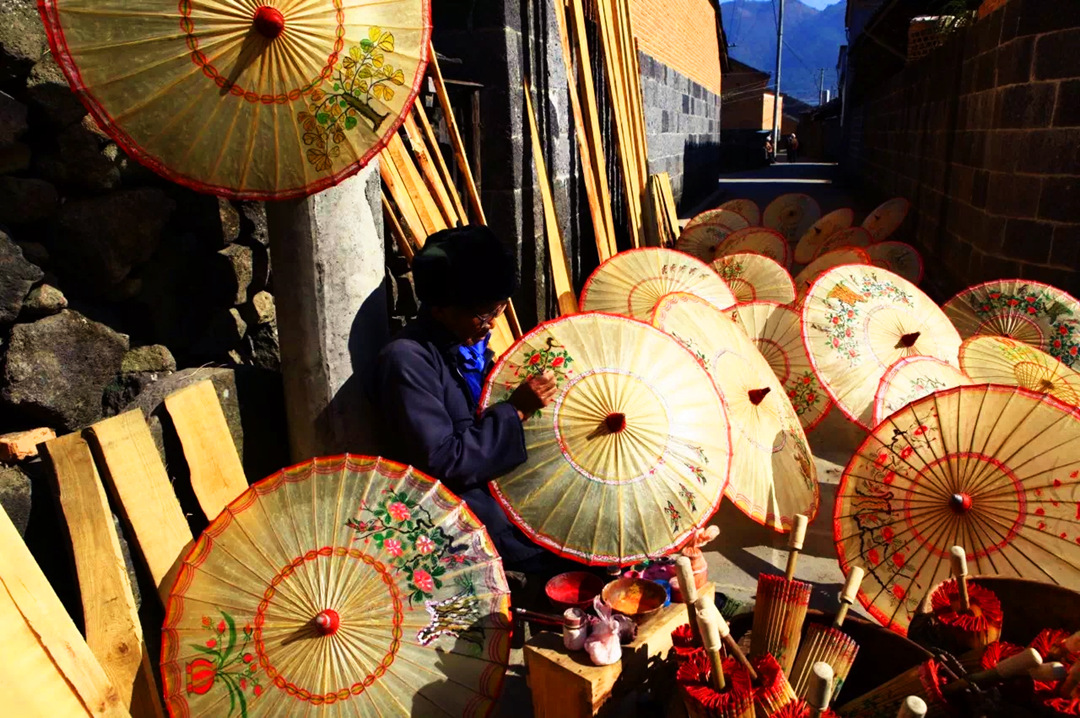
(960, 503)
(615, 423)
(908, 340)
(756, 395)
(328, 622)
(269, 22)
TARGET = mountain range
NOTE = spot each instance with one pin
(812, 40)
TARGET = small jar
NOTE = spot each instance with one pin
(575, 630)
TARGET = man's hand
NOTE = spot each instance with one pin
(534, 394)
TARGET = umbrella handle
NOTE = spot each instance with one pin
(710, 633)
(912, 707)
(685, 572)
(1049, 672)
(733, 647)
(821, 688)
(795, 543)
(958, 558)
(1011, 667)
(849, 594)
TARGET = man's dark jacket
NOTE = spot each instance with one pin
(430, 422)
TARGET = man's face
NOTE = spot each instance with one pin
(470, 324)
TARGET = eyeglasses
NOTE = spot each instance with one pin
(491, 316)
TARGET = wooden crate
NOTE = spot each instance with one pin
(568, 685)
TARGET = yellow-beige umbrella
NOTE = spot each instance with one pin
(835, 258)
(897, 257)
(912, 378)
(844, 239)
(759, 240)
(755, 278)
(886, 218)
(703, 239)
(249, 100)
(834, 221)
(721, 215)
(1000, 360)
(746, 207)
(791, 215)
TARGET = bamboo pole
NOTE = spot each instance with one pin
(401, 163)
(430, 173)
(395, 229)
(440, 162)
(455, 136)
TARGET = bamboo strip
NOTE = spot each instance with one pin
(403, 244)
(402, 163)
(455, 136)
(392, 179)
(430, 173)
(440, 162)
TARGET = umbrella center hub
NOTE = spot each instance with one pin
(269, 22)
(328, 622)
(757, 395)
(960, 503)
(615, 422)
(908, 340)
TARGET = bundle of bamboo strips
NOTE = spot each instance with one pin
(664, 224)
(419, 195)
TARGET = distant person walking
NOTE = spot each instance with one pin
(769, 156)
(793, 148)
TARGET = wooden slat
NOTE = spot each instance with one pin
(48, 670)
(440, 162)
(401, 162)
(560, 270)
(406, 210)
(110, 617)
(217, 476)
(455, 136)
(133, 473)
(432, 179)
(402, 241)
(669, 203)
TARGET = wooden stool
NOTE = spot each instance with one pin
(568, 685)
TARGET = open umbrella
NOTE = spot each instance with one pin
(1037, 314)
(989, 467)
(348, 584)
(633, 455)
(850, 237)
(703, 239)
(730, 217)
(899, 258)
(835, 258)
(766, 242)
(248, 100)
(791, 215)
(1000, 360)
(887, 217)
(912, 378)
(755, 278)
(632, 282)
(773, 476)
(858, 321)
(834, 221)
(776, 330)
(746, 207)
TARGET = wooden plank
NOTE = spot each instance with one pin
(407, 210)
(455, 136)
(217, 477)
(669, 203)
(135, 477)
(440, 161)
(560, 270)
(402, 241)
(48, 668)
(110, 617)
(429, 172)
(402, 163)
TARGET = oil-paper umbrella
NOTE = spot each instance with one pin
(346, 585)
(248, 100)
(773, 475)
(721, 215)
(887, 217)
(632, 282)
(1000, 360)
(912, 378)
(1037, 314)
(988, 467)
(776, 330)
(634, 454)
(834, 221)
(755, 278)
(746, 207)
(843, 239)
(899, 258)
(858, 321)
(791, 215)
(835, 258)
(759, 240)
(703, 239)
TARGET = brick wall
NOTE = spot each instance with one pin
(983, 136)
(682, 35)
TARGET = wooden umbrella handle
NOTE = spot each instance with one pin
(849, 594)
(685, 572)
(710, 634)
(958, 557)
(795, 544)
(733, 647)
(912, 707)
(1011, 667)
(1049, 672)
(821, 688)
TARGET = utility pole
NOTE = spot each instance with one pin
(776, 98)
(821, 87)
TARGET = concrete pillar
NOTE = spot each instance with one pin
(329, 269)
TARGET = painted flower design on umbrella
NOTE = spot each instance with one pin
(228, 664)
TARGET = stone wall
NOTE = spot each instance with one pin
(983, 136)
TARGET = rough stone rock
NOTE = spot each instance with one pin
(48, 92)
(16, 277)
(149, 358)
(56, 368)
(123, 389)
(15, 496)
(26, 199)
(175, 305)
(253, 223)
(263, 346)
(260, 269)
(91, 125)
(22, 38)
(224, 333)
(81, 159)
(260, 310)
(230, 221)
(12, 119)
(232, 270)
(35, 252)
(253, 403)
(14, 158)
(42, 301)
(403, 295)
(21, 445)
(97, 241)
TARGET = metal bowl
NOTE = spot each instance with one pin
(575, 589)
(635, 597)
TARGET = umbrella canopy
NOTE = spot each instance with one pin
(349, 584)
(990, 468)
(792, 215)
(835, 258)
(776, 330)
(746, 207)
(898, 258)
(1037, 314)
(632, 282)
(702, 240)
(886, 218)
(1000, 360)
(834, 221)
(755, 278)
(766, 242)
(633, 455)
(244, 99)
(858, 321)
(721, 215)
(773, 476)
(912, 378)
(844, 238)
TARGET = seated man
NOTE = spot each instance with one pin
(429, 378)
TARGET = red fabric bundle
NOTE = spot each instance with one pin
(773, 691)
(932, 682)
(972, 629)
(800, 709)
(682, 643)
(735, 701)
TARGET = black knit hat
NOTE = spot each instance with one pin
(465, 267)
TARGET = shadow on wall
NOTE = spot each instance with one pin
(701, 170)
